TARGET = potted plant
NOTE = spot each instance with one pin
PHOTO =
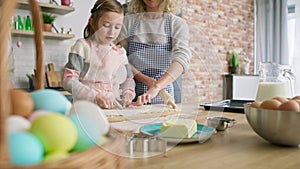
(48, 19)
(233, 63)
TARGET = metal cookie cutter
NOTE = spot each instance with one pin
(220, 123)
(146, 144)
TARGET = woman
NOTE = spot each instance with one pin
(157, 44)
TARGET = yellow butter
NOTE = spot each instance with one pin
(178, 128)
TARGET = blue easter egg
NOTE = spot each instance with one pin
(88, 132)
(50, 100)
(25, 149)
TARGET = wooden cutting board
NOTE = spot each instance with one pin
(53, 77)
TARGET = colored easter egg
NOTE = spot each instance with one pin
(17, 123)
(36, 114)
(93, 112)
(50, 100)
(25, 149)
(55, 156)
(22, 103)
(103, 140)
(56, 132)
(19, 44)
(88, 132)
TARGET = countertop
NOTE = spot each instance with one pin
(238, 147)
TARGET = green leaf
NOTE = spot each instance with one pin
(48, 18)
(234, 61)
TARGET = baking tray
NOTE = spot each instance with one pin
(236, 106)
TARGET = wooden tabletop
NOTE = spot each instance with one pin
(238, 147)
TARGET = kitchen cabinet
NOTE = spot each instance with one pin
(45, 7)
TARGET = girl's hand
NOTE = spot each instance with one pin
(105, 101)
(126, 99)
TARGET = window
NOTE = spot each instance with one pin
(293, 40)
(291, 29)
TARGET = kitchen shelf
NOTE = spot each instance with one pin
(48, 35)
(47, 7)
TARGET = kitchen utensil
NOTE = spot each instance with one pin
(275, 81)
(145, 144)
(220, 123)
(203, 133)
(167, 98)
(275, 126)
(118, 105)
(53, 77)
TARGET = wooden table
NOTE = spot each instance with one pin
(238, 147)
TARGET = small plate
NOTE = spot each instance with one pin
(203, 133)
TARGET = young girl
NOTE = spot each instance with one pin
(97, 69)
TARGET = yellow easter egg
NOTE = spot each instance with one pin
(56, 132)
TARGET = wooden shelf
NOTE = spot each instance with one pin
(47, 7)
(48, 35)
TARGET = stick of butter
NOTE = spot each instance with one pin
(178, 128)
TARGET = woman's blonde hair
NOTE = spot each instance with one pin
(170, 6)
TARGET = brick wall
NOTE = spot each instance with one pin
(216, 26)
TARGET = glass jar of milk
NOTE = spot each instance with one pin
(275, 81)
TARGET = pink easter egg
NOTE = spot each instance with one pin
(19, 43)
(36, 114)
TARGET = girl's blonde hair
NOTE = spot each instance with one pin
(170, 6)
(100, 7)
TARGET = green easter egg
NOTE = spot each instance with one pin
(55, 156)
(56, 132)
(103, 140)
(87, 131)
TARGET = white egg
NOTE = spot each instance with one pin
(17, 123)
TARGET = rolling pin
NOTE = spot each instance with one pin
(167, 98)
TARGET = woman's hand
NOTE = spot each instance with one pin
(142, 99)
(150, 82)
(146, 97)
(105, 101)
(152, 91)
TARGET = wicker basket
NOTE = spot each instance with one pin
(95, 157)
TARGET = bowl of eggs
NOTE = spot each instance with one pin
(277, 120)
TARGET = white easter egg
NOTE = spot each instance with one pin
(17, 123)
